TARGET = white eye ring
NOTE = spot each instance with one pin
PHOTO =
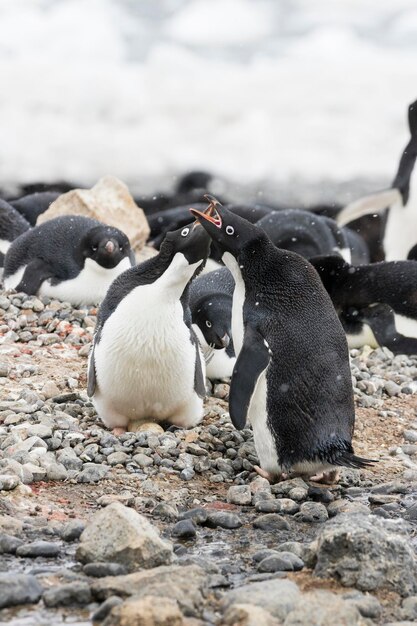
(208, 324)
(230, 230)
(185, 232)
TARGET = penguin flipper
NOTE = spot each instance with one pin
(35, 273)
(253, 359)
(199, 381)
(381, 319)
(91, 375)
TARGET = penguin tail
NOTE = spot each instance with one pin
(348, 459)
(368, 205)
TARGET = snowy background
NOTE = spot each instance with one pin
(285, 92)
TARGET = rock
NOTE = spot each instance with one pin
(122, 535)
(248, 615)
(72, 530)
(117, 458)
(99, 570)
(367, 605)
(198, 515)
(148, 611)
(288, 506)
(324, 609)
(184, 529)
(392, 388)
(50, 390)
(142, 460)
(40, 430)
(271, 521)
(278, 597)
(312, 512)
(345, 506)
(72, 594)
(104, 609)
(239, 494)
(368, 553)
(9, 544)
(166, 511)
(409, 608)
(38, 548)
(92, 473)
(224, 519)
(109, 201)
(259, 484)
(283, 562)
(186, 584)
(18, 589)
(9, 482)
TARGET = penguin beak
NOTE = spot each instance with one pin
(109, 247)
(210, 214)
(225, 340)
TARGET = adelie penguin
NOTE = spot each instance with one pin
(12, 224)
(72, 258)
(211, 312)
(292, 378)
(146, 363)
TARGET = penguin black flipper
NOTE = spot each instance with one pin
(91, 375)
(381, 319)
(35, 273)
(199, 382)
(253, 359)
(408, 157)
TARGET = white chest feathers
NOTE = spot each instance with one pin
(401, 229)
(238, 301)
(88, 287)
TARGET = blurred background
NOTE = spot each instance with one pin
(300, 99)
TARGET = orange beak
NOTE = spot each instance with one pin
(210, 214)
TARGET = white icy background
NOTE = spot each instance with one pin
(256, 90)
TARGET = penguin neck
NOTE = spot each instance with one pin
(177, 275)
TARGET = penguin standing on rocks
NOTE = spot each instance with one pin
(292, 378)
(211, 297)
(72, 258)
(146, 364)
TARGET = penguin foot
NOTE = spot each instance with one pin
(118, 431)
(273, 478)
(326, 478)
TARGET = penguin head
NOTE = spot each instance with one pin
(190, 241)
(105, 245)
(229, 232)
(213, 316)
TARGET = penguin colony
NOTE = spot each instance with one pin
(292, 289)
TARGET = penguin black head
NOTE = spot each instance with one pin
(213, 315)
(231, 233)
(105, 245)
(191, 241)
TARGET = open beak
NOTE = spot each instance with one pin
(210, 214)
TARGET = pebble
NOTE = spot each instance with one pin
(9, 482)
(71, 594)
(72, 530)
(271, 521)
(224, 519)
(9, 544)
(39, 548)
(184, 529)
(104, 609)
(99, 570)
(239, 494)
(312, 512)
(18, 589)
(281, 562)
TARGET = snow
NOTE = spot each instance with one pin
(252, 90)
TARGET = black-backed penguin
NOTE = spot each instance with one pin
(211, 297)
(292, 378)
(146, 364)
(12, 224)
(72, 258)
(34, 204)
(400, 227)
(353, 289)
(412, 255)
(305, 233)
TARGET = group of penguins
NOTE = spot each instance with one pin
(268, 296)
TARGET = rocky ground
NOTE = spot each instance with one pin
(175, 528)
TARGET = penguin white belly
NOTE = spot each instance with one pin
(145, 362)
(4, 245)
(89, 287)
(365, 338)
(238, 301)
(264, 441)
(13, 280)
(220, 365)
(405, 325)
(401, 229)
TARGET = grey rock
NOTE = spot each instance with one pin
(367, 605)
(9, 544)
(271, 521)
(198, 515)
(268, 506)
(39, 430)
(120, 534)
(409, 608)
(38, 548)
(99, 570)
(312, 512)
(281, 562)
(9, 482)
(278, 597)
(248, 615)
(72, 530)
(410, 435)
(117, 458)
(166, 511)
(295, 547)
(142, 460)
(104, 609)
(184, 529)
(18, 589)
(325, 609)
(69, 459)
(224, 519)
(92, 473)
(239, 494)
(392, 388)
(72, 594)
(368, 553)
(260, 555)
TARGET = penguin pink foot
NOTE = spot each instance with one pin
(273, 478)
(326, 478)
(118, 431)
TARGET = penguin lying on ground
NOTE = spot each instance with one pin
(354, 289)
(292, 378)
(400, 229)
(12, 224)
(211, 311)
(32, 205)
(72, 258)
(146, 364)
(305, 233)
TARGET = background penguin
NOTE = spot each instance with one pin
(72, 258)
(146, 363)
(393, 283)
(210, 301)
(305, 233)
(292, 377)
(400, 221)
(32, 205)
(12, 224)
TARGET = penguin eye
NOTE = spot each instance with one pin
(185, 232)
(94, 248)
(230, 230)
(208, 324)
